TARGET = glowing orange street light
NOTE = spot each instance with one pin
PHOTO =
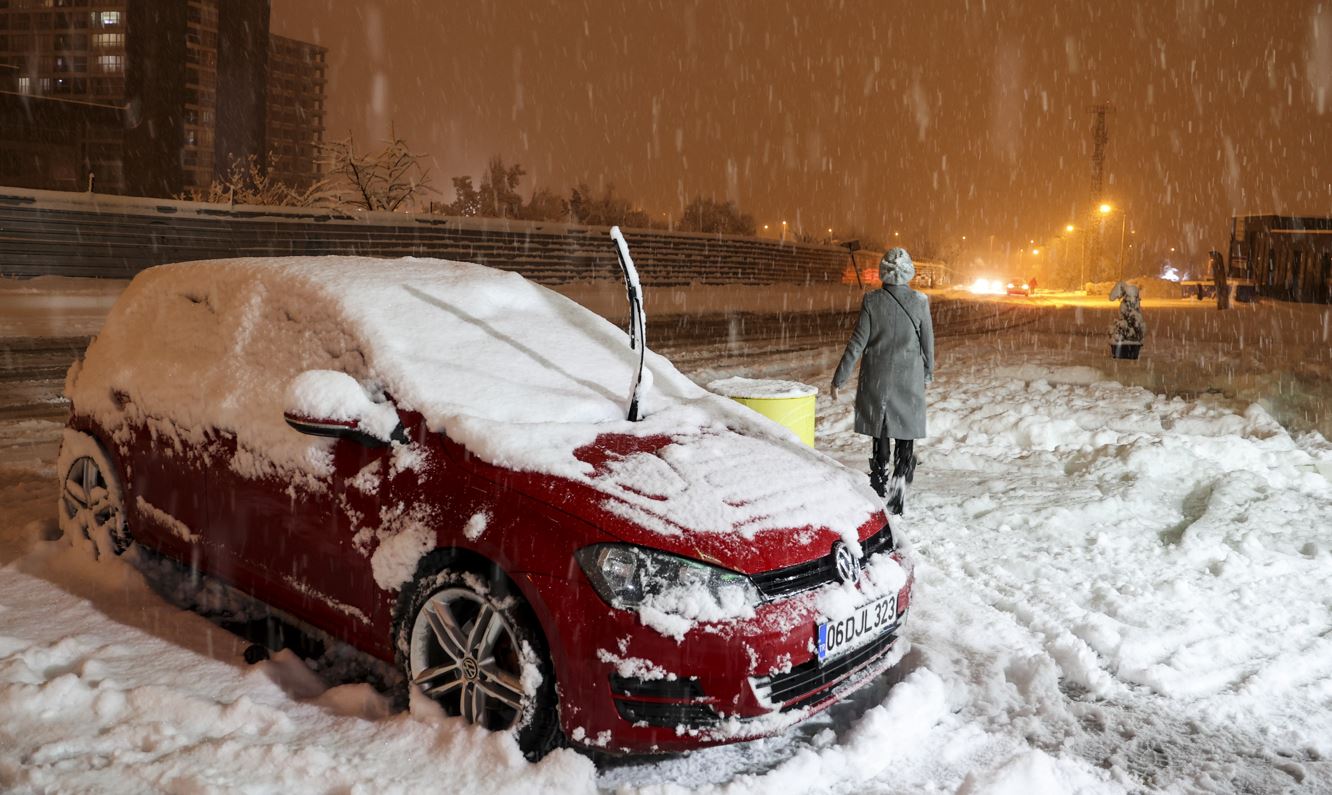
(1068, 228)
(1106, 209)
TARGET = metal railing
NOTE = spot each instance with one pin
(97, 235)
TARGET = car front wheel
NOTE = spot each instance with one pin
(471, 644)
(92, 508)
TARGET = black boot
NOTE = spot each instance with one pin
(878, 476)
(896, 496)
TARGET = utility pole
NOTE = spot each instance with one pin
(1100, 137)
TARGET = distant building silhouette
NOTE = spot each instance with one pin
(154, 97)
(1284, 256)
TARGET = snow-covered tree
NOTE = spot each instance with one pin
(545, 205)
(605, 209)
(1130, 326)
(249, 181)
(467, 201)
(710, 215)
(499, 189)
(391, 179)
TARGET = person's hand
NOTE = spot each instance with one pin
(833, 390)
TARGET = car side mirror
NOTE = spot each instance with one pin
(330, 403)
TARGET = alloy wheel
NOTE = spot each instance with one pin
(91, 507)
(465, 655)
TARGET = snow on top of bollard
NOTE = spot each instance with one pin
(760, 388)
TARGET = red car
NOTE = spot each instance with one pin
(431, 461)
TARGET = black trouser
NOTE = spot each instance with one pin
(904, 461)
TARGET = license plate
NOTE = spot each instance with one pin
(843, 635)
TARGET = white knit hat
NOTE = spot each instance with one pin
(896, 267)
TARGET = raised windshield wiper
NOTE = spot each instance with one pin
(637, 321)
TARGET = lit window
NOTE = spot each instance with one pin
(111, 64)
(24, 85)
(108, 41)
(110, 19)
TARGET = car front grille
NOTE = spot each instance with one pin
(656, 713)
(789, 581)
(646, 701)
(810, 682)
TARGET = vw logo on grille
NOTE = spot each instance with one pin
(847, 570)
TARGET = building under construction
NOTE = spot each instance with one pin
(1287, 257)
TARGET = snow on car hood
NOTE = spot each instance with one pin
(704, 477)
(520, 375)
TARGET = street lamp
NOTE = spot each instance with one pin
(1107, 209)
(783, 231)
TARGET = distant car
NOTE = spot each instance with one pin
(430, 461)
(1018, 288)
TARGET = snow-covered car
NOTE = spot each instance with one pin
(431, 461)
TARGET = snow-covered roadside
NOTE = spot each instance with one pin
(1116, 591)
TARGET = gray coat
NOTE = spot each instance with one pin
(890, 399)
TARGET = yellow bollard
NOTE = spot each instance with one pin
(789, 403)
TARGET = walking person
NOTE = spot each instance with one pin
(894, 341)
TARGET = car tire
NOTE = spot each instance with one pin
(92, 500)
(466, 639)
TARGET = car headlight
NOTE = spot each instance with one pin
(627, 576)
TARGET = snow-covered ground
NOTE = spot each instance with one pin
(1122, 586)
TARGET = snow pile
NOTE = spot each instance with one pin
(1150, 548)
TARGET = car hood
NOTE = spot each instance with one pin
(742, 498)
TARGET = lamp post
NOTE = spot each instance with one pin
(1105, 210)
(1067, 237)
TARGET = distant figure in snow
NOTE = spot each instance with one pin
(1219, 277)
(894, 340)
(1031, 286)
